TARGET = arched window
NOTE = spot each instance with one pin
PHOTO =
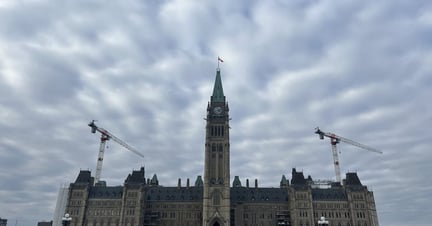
(216, 198)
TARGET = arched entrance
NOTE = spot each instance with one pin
(216, 222)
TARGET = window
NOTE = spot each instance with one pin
(132, 194)
(216, 198)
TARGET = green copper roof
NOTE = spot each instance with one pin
(236, 182)
(284, 182)
(199, 182)
(218, 94)
(154, 180)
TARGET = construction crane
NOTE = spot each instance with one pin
(335, 139)
(105, 136)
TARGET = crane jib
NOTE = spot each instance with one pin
(335, 139)
(105, 135)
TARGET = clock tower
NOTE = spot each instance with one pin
(216, 200)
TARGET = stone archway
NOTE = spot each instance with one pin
(216, 222)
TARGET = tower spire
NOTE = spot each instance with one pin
(218, 94)
(216, 194)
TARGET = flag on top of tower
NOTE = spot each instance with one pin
(219, 59)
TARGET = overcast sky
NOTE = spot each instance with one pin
(145, 70)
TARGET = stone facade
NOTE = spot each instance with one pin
(216, 199)
(144, 202)
(213, 201)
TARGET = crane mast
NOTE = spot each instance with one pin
(335, 139)
(105, 136)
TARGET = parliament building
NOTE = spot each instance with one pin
(214, 200)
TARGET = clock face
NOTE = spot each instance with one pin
(217, 110)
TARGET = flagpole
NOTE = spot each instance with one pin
(218, 62)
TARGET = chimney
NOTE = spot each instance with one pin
(247, 183)
(256, 183)
(179, 183)
(187, 183)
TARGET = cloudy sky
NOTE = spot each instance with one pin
(145, 70)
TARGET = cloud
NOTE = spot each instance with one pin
(145, 71)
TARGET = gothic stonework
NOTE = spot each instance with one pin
(211, 201)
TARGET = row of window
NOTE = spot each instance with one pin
(358, 196)
(173, 215)
(270, 223)
(303, 213)
(260, 216)
(75, 202)
(110, 212)
(330, 205)
(331, 214)
(105, 203)
(217, 131)
(173, 206)
(131, 202)
(77, 194)
(104, 212)
(132, 194)
(316, 214)
(73, 211)
(301, 196)
(109, 222)
(342, 224)
(360, 206)
(302, 204)
(361, 215)
(217, 147)
(130, 212)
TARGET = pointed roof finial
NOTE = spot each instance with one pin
(199, 182)
(218, 94)
(236, 182)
